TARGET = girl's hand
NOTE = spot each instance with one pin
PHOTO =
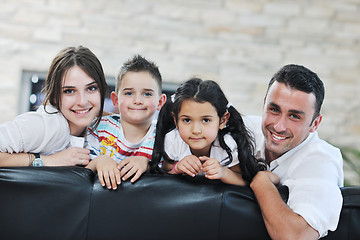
(133, 165)
(69, 157)
(212, 168)
(107, 170)
(190, 165)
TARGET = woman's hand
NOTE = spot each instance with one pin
(69, 157)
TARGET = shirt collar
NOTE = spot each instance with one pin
(275, 163)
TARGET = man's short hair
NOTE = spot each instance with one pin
(302, 79)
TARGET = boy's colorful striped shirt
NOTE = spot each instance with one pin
(108, 139)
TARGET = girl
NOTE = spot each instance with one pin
(200, 131)
(75, 91)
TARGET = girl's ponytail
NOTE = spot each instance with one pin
(249, 165)
(164, 124)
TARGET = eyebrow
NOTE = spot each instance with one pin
(146, 89)
(205, 116)
(291, 110)
(89, 84)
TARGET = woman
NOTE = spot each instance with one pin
(54, 135)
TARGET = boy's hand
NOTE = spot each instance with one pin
(190, 165)
(132, 165)
(108, 173)
(212, 168)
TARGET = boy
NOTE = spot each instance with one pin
(121, 146)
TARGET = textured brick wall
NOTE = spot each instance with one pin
(238, 43)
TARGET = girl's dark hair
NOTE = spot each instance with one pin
(63, 61)
(208, 91)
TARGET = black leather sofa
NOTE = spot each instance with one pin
(69, 203)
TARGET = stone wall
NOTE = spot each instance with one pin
(238, 43)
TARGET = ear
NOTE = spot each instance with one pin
(174, 118)
(264, 103)
(224, 120)
(316, 123)
(114, 99)
(162, 101)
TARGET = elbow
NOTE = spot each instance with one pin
(294, 234)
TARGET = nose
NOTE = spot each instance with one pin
(196, 128)
(82, 98)
(138, 99)
(280, 125)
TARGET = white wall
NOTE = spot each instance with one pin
(238, 43)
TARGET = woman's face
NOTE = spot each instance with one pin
(80, 100)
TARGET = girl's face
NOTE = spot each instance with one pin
(198, 125)
(80, 100)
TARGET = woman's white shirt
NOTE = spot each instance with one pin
(44, 132)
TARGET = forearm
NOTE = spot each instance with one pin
(232, 177)
(92, 164)
(15, 159)
(280, 221)
(169, 167)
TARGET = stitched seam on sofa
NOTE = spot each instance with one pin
(220, 214)
(88, 216)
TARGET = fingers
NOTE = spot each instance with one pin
(83, 162)
(188, 168)
(80, 156)
(212, 169)
(272, 177)
(129, 170)
(123, 163)
(109, 178)
(133, 166)
(136, 177)
(101, 178)
(190, 165)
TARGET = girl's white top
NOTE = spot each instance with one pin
(176, 149)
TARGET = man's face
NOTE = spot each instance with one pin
(287, 119)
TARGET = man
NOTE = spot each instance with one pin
(297, 158)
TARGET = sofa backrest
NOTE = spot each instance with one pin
(69, 203)
(44, 203)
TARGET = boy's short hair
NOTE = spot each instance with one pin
(139, 64)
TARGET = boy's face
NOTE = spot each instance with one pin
(138, 98)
